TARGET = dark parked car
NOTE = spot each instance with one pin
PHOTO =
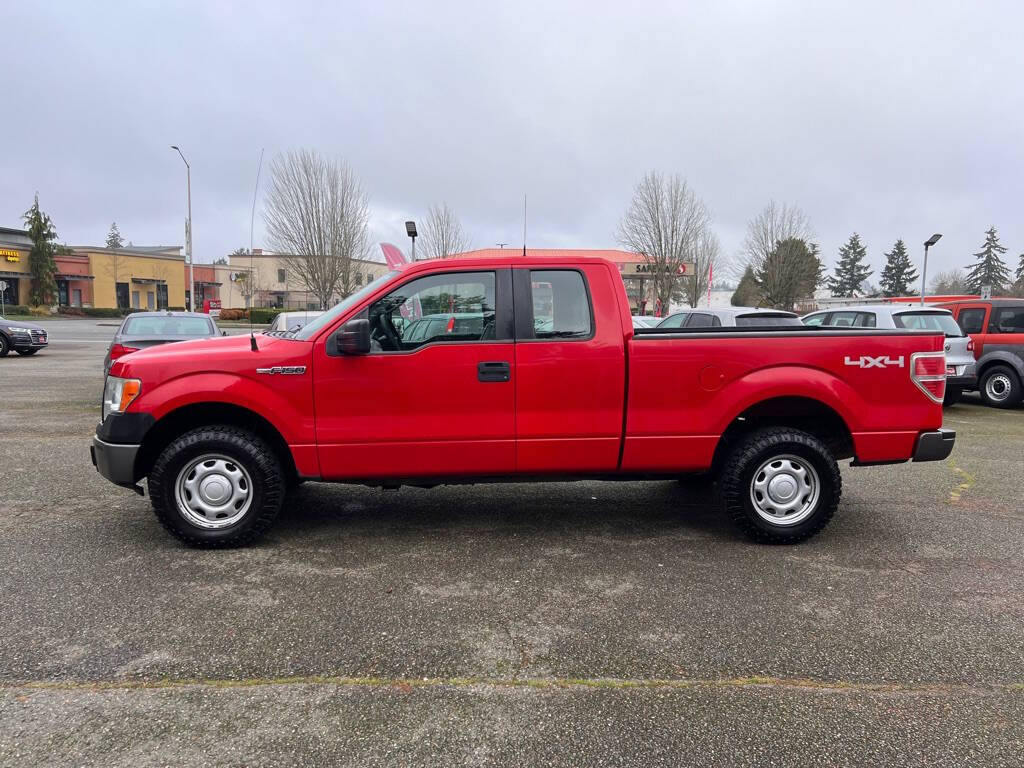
(147, 329)
(23, 338)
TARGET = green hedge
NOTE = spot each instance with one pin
(15, 309)
(263, 316)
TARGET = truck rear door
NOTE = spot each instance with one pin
(570, 369)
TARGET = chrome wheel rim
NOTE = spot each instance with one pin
(998, 387)
(785, 489)
(213, 491)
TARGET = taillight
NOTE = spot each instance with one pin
(928, 370)
(970, 345)
(120, 350)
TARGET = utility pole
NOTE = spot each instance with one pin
(188, 234)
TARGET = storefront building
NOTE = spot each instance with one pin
(136, 278)
(14, 247)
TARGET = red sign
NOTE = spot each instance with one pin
(211, 307)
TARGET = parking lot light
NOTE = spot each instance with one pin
(924, 272)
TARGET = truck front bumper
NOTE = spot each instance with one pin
(115, 462)
(934, 445)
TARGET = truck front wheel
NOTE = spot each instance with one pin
(217, 486)
(780, 485)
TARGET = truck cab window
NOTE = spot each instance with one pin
(561, 306)
(447, 307)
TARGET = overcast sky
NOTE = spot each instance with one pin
(890, 119)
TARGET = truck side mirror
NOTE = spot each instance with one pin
(353, 338)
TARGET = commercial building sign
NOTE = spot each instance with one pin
(642, 268)
(12, 256)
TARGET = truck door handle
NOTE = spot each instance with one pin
(493, 371)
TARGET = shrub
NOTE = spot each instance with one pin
(233, 314)
(40, 311)
(71, 311)
(15, 309)
(102, 311)
(263, 316)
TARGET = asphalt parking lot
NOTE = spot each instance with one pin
(572, 624)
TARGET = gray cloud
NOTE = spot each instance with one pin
(891, 119)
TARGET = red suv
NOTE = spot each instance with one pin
(997, 328)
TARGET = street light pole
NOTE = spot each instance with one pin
(188, 234)
(410, 230)
(924, 272)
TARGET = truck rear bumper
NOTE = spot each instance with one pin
(934, 445)
(115, 462)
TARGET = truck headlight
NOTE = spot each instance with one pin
(118, 394)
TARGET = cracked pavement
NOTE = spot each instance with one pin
(568, 624)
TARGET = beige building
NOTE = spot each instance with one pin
(274, 286)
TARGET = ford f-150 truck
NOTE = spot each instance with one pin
(529, 369)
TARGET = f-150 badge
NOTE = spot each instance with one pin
(882, 361)
(287, 370)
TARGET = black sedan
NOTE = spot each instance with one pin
(147, 329)
(23, 338)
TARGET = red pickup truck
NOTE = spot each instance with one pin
(482, 370)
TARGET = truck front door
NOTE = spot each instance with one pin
(435, 396)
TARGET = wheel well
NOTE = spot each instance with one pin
(803, 413)
(189, 417)
(995, 362)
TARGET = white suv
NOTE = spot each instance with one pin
(961, 368)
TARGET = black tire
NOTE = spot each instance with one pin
(5, 346)
(1000, 387)
(952, 395)
(756, 450)
(238, 447)
(26, 352)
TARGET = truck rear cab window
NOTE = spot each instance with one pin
(702, 320)
(972, 320)
(441, 308)
(561, 305)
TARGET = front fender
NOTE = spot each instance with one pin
(284, 401)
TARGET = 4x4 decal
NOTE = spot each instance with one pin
(866, 361)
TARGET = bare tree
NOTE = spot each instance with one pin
(707, 253)
(769, 228)
(665, 223)
(442, 233)
(951, 283)
(317, 215)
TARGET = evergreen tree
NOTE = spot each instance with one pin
(1020, 269)
(990, 269)
(41, 264)
(851, 270)
(114, 237)
(898, 276)
(789, 273)
(746, 293)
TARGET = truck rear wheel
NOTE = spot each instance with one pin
(217, 486)
(780, 485)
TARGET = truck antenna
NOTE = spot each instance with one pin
(252, 218)
(524, 225)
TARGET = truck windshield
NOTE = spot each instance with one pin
(314, 326)
(928, 321)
